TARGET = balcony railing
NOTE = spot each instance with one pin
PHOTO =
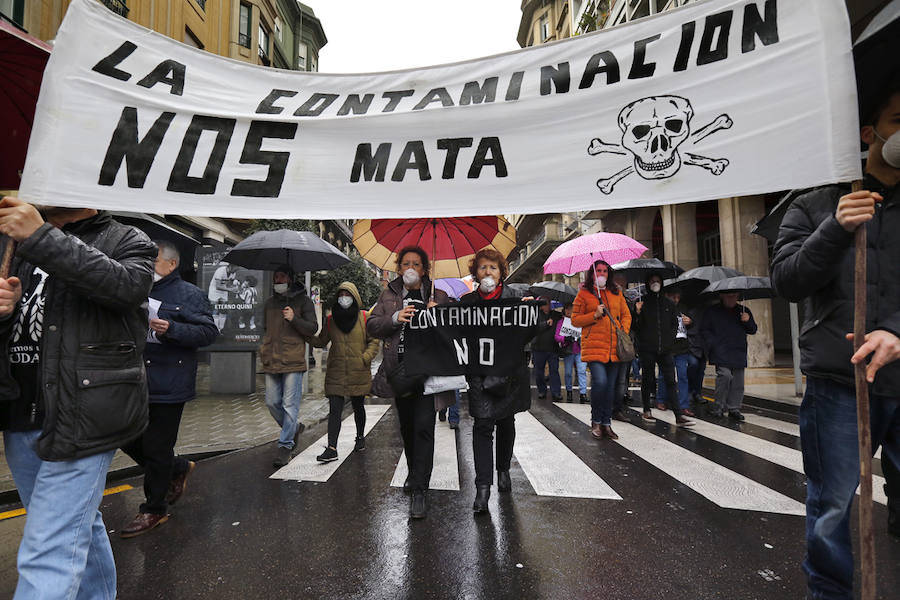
(117, 6)
(244, 40)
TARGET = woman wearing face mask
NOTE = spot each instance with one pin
(348, 372)
(396, 306)
(598, 304)
(494, 400)
(656, 324)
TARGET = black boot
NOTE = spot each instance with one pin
(503, 482)
(417, 506)
(407, 487)
(582, 399)
(482, 495)
(893, 515)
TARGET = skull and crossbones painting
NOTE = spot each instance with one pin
(653, 131)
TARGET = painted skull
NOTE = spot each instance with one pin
(652, 129)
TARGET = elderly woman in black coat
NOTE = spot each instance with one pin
(493, 400)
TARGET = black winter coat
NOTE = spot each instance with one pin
(725, 335)
(94, 329)
(656, 324)
(517, 385)
(172, 363)
(545, 340)
(814, 262)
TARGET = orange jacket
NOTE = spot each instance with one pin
(598, 336)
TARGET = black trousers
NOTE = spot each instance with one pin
(483, 446)
(154, 452)
(335, 411)
(666, 363)
(416, 416)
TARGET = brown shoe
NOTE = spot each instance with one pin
(682, 422)
(608, 432)
(597, 431)
(660, 406)
(648, 417)
(688, 413)
(178, 483)
(142, 523)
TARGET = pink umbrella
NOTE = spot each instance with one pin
(580, 253)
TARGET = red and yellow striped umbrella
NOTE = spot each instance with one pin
(450, 242)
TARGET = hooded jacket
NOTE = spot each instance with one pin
(598, 336)
(283, 348)
(172, 363)
(348, 371)
(92, 383)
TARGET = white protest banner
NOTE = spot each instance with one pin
(569, 330)
(717, 98)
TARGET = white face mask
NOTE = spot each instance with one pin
(280, 288)
(601, 282)
(345, 301)
(655, 287)
(891, 150)
(156, 276)
(410, 277)
(488, 284)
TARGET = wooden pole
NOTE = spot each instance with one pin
(863, 424)
(9, 250)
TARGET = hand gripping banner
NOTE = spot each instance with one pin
(717, 98)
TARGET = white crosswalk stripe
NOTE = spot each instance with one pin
(445, 472)
(764, 449)
(721, 486)
(305, 467)
(782, 426)
(551, 467)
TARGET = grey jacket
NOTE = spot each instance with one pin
(94, 389)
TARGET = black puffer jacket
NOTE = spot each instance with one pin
(814, 262)
(94, 329)
(656, 324)
(517, 385)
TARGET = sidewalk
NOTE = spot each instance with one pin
(214, 424)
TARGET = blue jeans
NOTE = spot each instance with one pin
(541, 359)
(65, 551)
(571, 363)
(636, 368)
(828, 440)
(696, 369)
(603, 386)
(681, 368)
(283, 392)
(453, 410)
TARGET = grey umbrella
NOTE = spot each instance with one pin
(301, 250)
(749, 288)
(693, 283)
(554, 290)
(519, 288)
(638, 269)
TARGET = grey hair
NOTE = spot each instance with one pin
(168, 251)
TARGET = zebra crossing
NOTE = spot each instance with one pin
(553, 469)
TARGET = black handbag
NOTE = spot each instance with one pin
(404, 385)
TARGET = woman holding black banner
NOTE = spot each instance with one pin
(600, 309)
(494, 400)
(415, 410)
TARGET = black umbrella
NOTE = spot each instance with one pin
(768, 226)
(159, 230)
(554, 290)
(519, 288)
(749, 288)
(301, 250)
(638, 269)
(689, 289)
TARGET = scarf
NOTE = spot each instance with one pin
(345, 318)
(493, 295)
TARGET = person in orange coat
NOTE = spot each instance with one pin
(597, 305)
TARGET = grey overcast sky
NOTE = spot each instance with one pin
(383, 35)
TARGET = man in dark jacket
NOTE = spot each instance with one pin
(814, 262)
(725, 329)
(545, 352)
(290, 318)
(73, 318)
(656, 326)
(180, 322)
(681, 350)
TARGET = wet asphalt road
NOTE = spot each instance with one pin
(238, 534)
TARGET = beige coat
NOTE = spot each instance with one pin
(348, 371)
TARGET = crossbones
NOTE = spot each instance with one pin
(652, 130)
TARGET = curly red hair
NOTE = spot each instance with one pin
(493, 256)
